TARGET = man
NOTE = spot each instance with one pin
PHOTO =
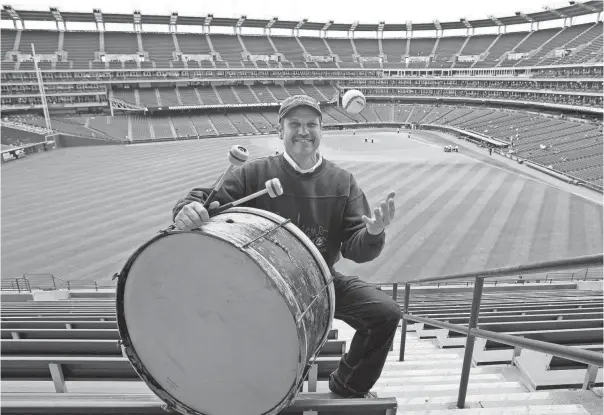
(326, 203)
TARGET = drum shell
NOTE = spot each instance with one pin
(292, 265)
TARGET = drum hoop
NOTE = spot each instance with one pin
(292, 228)
(126, 341)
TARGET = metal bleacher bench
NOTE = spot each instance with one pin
(425, 330)
(488, 352)
(87, 350)
(65, 403)
(543, 370)
(60, 331)
(449, 338)
(59, 324)
(94, 359)
(59, 317)
(61, 369)
(96, 347)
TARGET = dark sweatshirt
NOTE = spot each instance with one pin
(326, 204)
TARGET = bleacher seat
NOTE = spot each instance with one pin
(562, 333)
(134, 404)
(544, 371)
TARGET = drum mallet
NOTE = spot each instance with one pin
(238, 155)
(273, 188)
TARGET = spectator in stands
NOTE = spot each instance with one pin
(327, 204)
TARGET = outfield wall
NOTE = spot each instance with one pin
(65, 140)
(10, 136)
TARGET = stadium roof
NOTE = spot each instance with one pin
(574, 9)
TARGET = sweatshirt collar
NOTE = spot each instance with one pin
(295, 166)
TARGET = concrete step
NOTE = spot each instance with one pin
(473, 400)
(435, 380)
(424, 356)
(450, 389)
(439, 390)
(439, 372)
(512, 410)
(410, 338)
(422, 364)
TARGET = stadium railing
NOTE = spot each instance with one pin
(592, 359)
(29, 282)
(15, 284)
(585, 274)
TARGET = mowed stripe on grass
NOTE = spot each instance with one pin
(80, 213)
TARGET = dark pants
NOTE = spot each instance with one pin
(375, 317)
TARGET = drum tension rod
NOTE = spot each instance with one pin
(266, 233)
(301, 316)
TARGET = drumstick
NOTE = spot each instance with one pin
(273, 188)
(238, 155)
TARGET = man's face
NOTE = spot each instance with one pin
(301, 132)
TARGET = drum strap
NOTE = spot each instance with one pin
(316, 297)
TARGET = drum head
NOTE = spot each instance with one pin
(209, 326)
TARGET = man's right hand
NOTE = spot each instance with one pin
(193, 216)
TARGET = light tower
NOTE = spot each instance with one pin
(41, 88)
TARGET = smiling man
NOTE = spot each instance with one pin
(326, 203)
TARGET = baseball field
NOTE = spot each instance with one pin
(79, 213)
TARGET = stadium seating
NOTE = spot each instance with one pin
(66, 351)
(583, 40)
(556, 321)
(560, 316)
(52, 345)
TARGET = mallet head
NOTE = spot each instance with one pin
(238, 155)
(274, 188)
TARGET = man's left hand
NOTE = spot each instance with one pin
(382, 216)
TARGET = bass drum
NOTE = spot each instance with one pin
(226, 319)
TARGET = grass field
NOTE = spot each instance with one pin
(79, 213)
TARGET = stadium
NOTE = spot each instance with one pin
(489, 131)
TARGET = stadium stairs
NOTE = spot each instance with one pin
(62, 356)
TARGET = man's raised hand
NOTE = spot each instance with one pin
(383, 215)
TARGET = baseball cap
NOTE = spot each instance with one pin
(298, 101)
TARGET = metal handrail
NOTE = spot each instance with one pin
(569, 263)
(594, 360)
